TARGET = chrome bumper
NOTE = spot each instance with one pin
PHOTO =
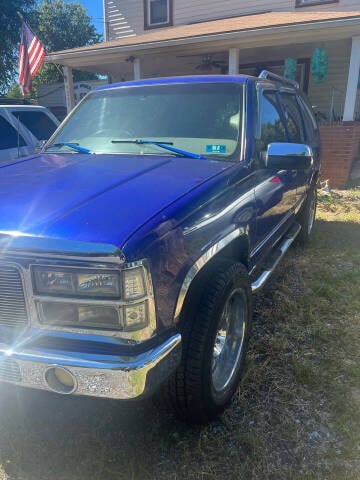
(113, 377)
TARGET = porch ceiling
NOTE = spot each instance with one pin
(247, 32)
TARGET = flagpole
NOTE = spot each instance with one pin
(20, 16)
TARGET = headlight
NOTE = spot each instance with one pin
(76, 283)
(119, 300)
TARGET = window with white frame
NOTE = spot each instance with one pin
(309, 3)
(157, 13)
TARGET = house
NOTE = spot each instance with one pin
(154, 38)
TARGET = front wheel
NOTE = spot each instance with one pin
(215, 339)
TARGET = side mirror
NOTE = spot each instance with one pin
(288, 156)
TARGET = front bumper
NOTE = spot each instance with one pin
(117, 377)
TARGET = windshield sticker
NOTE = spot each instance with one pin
(215, 148)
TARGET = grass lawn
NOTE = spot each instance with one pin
(297, 412)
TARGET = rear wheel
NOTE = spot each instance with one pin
(215, 339)
(307, 217)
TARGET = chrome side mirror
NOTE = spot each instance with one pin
(288, 156)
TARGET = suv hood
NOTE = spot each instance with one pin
(94, 198)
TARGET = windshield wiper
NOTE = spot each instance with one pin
(165, 145)
(74, 146)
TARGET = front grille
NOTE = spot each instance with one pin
(9, 371)
(12, 302)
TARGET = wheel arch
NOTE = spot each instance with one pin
(233, 247)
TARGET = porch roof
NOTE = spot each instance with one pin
(263, 29)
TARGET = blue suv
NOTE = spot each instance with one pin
(131, 246)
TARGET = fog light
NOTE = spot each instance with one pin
(64, 377)
(60, 380)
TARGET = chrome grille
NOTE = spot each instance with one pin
(9, 371)
(12, 302)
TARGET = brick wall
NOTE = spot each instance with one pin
(339, 147)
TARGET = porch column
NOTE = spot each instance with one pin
(137, 68)
(353, 78)
(69, 88)
(233, 61)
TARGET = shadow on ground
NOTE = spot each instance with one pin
(48, 436)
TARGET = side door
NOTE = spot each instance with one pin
(275, 190)
(12, 143)
(296, 134)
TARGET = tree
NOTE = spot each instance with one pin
(60, 25)
(10, 37)
(14, 91)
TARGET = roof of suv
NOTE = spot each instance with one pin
(264, 76)
(184, 79)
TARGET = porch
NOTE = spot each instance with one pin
(248, 45)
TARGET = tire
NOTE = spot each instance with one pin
(306, 217)
(215, 332)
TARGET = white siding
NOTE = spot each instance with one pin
(188, 11)
(121, 18)
(341, 6)
(126, 17)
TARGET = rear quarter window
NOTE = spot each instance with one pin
(311, 128)
(293, 118)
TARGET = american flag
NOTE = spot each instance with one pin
(31, 56)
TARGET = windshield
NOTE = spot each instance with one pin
(203, 118)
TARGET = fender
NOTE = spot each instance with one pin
(200, 264)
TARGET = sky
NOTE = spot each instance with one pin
(95, 11)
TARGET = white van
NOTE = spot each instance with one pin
(22, 127)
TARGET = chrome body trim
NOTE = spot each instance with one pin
(213, 218)
(107, 376)
(273, 233)
(282, 249)
(199, 264)
(300, 202)
(243, 136)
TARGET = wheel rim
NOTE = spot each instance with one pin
(229, 340)
(312, 207)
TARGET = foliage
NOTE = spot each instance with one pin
(59, 26)
(14, 91)
(9, 37)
